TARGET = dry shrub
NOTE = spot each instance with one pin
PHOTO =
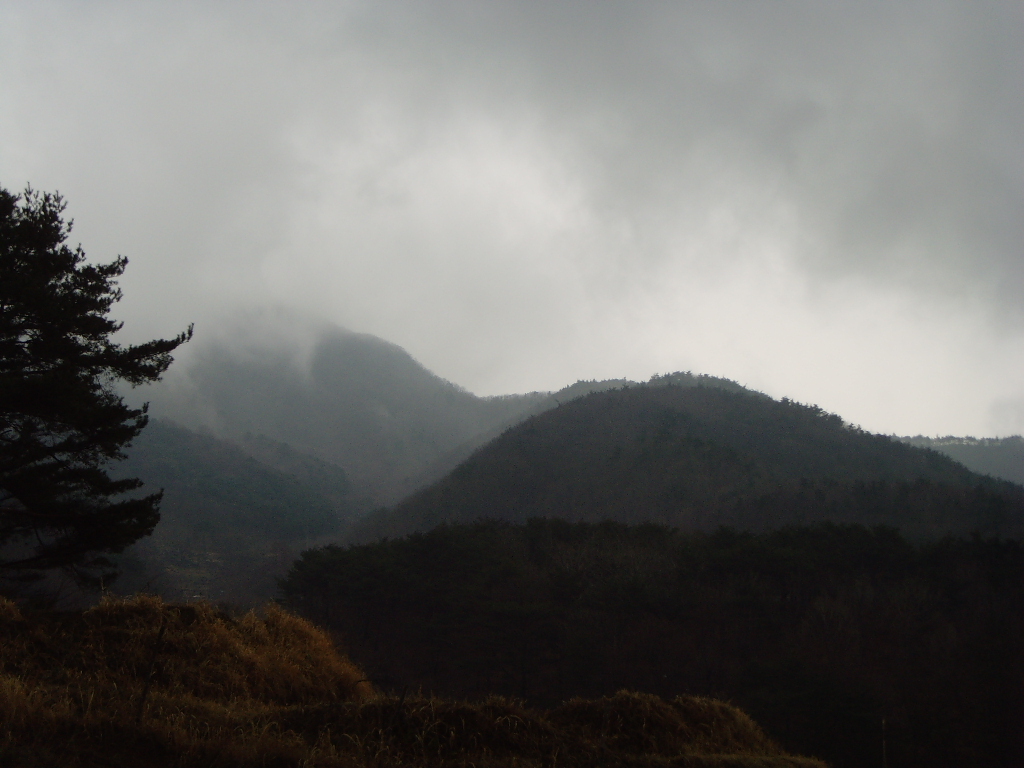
(431, 731)
(641, 723)
(628, 729)
(189, 649)
(8, 611)
(175, 683)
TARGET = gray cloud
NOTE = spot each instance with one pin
(820, 200)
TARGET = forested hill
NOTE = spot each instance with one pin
(698, 457)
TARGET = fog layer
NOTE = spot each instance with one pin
(821, 201)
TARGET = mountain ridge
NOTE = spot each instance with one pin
(366, 405)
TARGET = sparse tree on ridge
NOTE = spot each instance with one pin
(62, 423)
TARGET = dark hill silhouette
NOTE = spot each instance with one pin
(680, 452)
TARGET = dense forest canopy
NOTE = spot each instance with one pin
(819, 632)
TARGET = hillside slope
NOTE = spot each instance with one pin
(229, 522)
(703, 456)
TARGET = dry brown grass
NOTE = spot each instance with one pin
(138, 682)
(639, 723)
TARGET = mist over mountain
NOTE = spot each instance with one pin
(682, 449)
(697, 452)
(350, 399)
(355, 401)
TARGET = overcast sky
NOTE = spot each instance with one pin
(823, 201)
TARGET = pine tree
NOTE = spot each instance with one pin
(62, 422)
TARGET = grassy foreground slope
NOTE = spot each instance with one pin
(141, 683)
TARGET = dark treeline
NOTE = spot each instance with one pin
(819, 632)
